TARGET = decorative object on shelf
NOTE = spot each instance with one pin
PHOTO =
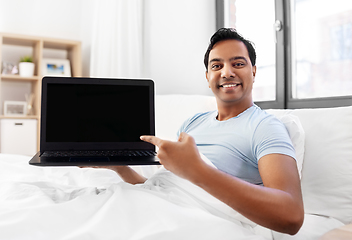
(30, 102)
(15, 108)
(9, 68)
(26, 66)
(56, 67)
(14, 86)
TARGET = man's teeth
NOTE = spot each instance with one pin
(230, 85)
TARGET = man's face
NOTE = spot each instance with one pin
(230, 73)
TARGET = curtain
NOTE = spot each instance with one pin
(117, 39)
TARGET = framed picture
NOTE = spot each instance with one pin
(56, 67)
(15, 108)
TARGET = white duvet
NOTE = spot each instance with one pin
(74, 203)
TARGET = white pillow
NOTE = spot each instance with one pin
(172, 110)
(296, 132)
(327, 168)
(297, 135)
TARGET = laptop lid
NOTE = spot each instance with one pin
(96, 114)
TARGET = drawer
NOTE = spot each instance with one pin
(18, 136)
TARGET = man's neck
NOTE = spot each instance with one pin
(227, 111)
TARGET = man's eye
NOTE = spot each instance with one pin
(239, 64)
(215, 66)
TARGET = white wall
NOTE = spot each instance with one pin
(176, 35)
(66, 19)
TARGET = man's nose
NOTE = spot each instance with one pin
(227, 71)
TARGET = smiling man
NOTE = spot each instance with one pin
(230, 75)
(256, 172)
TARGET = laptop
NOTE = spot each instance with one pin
(96, 122)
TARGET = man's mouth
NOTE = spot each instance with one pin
(229, 85)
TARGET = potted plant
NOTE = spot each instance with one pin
(26, 66)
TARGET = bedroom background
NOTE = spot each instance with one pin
(174, 36)
(166, 41)
(157, 39)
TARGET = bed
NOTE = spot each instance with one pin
(88, 203)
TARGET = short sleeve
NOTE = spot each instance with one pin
(271, 136)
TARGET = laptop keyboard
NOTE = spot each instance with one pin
(108, 153)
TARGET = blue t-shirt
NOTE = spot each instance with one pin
(235, 146)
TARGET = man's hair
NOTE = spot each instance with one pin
(228, 34)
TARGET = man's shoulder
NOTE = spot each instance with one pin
(258, 115)
(196, 120)
(260, 118)
(202, 116)
(266, 124)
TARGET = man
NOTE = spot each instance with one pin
(256, 171)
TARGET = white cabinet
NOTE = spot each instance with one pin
(18, 136)
(14, 87)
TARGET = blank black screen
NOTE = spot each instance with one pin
(97, 113)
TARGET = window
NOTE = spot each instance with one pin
(304, 49)
(321, 39)
(237, 17)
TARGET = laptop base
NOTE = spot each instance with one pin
(92, 161)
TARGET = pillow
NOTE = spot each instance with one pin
(327, 168)
(172, 110)
(296, 132)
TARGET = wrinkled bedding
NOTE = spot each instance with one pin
(84, 203)
(74, 203)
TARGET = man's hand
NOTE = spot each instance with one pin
(277, 205)
(181, 157)
(125, 172)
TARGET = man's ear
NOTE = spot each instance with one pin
(207, 77)
(254, 71)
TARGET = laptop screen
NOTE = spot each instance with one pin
(98, 112)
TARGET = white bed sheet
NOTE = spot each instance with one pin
(74, 203)
(313, 228)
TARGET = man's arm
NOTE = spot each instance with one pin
(126, 173)
(129, 175)
(277, 205)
